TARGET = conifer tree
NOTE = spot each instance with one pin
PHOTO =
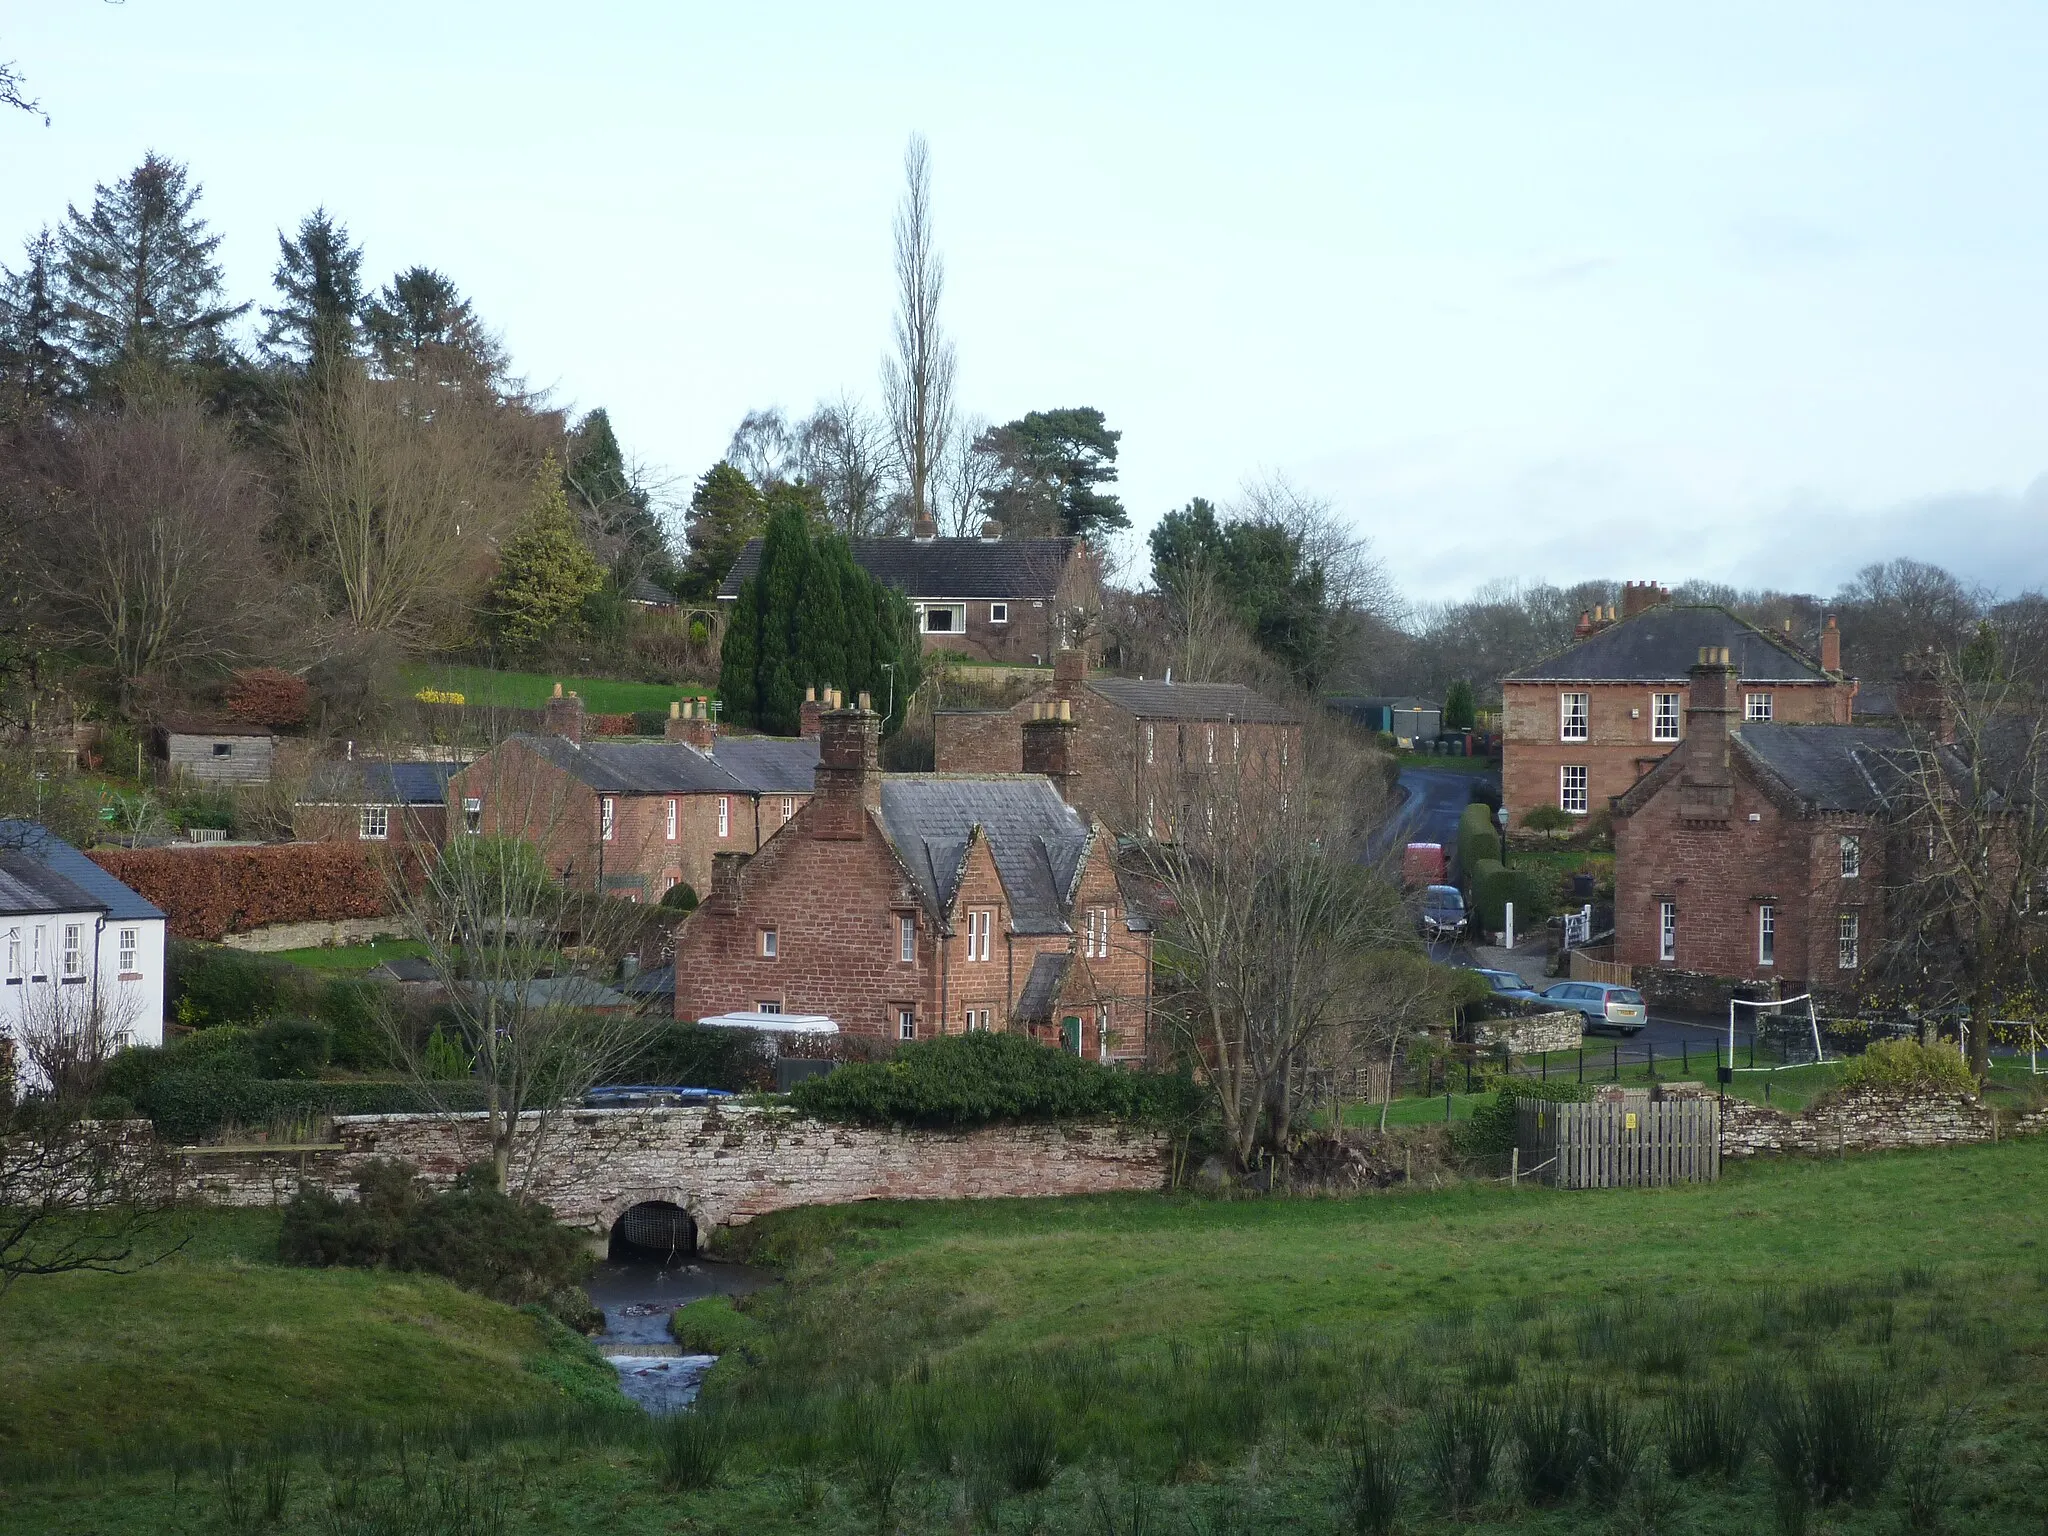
(319, 275)
(725, 511)
(786, 558)
(738, 658)
(544, 572)
(35, 364)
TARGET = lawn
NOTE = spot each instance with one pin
(530, 690)
(1472, 765)
(1131, 1363)
(352, 959)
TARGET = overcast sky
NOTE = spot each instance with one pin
(1753, 294)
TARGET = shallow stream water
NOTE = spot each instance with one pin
(637, 1296)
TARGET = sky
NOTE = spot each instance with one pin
(1745, 292)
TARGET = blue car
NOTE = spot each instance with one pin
(1506, 983)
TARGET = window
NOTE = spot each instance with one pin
(1211, 744)
(1756, 706)
(1848, 940)
(1852, 857)
(725, 815)
(999, 613)
(906, 1023)
(768, 1005)
(608, 815)
(768, 943)
(1767, 935)
(1148, 746)
(1236, 743)
(36, 968)
(906, 940)
(1663, 717)
(1096, 944)
(373, 823)
(943, 621)
(1571, 788)
(977, 1020)
(1574, 712)
(788, 806)
(979, 925)
(1102, 1030)
(13, 955)
(223, 749)
(74, 952)
(672, 809)
(1667, 930)
(472, 815)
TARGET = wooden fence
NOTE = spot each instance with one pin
(1619, 1146)
(1586, 968)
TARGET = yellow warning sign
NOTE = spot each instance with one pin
(1631, 1120)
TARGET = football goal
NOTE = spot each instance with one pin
(1786, 1009)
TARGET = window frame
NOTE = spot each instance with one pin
(1149, 731)
(1565, 787)
(769, 1005)
(127, 945)
(725, 816)
(36, 969)
(981, 922)
(956, 619)
(1852, 856)
(906, 1023)
(1658, 719)
(607, 816)
(1567, 716)
(788, 808)
(1766, 934)
(223, 749)
(906, 939)
(673, 817)
(472, 814)
(771, 943)
(999, 613)
(1667, 929)
(16, 950)
(373, 816)
(1757, 708)
(1848, 941)
(71, 952)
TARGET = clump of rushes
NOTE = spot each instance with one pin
(693, 1449)
(1550, 1450)
(1374, 1481)
(1708, 1431)
(1461, 1439)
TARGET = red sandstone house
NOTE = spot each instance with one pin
(371, 800)
(991, 598)
(914, 905)
(1582, 726)
(1756, 851)
(1139, 749)
(634, 819)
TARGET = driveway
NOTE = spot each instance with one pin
(1432, 800)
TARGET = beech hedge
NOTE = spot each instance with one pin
(986, 1078)
(208, 893)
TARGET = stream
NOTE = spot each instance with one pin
(636, 1297)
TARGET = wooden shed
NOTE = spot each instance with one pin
(216, 751)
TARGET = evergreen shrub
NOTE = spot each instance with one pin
(292, 1047)
(1909, 1065)
(1548, 818)
(1491, 1130)
(1493, 888)
(1478, 838)
(984, 1078)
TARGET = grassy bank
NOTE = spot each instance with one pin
(486, 687)
(352, 959)
(1159, 1364)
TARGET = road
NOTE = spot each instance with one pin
(1432, 801)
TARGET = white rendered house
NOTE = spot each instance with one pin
(77, 947)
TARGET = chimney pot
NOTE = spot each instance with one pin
(558, 690)
(866, 703)
(1830, 646)
(675, 709)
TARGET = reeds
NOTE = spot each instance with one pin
(1461, 1441)
(694, 1446)
(1374, 1481)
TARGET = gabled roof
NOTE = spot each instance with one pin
(998, 568)
(1661, 644)
(1151, 699)
(26, 843)
(375, 781)
(1036, 838)
(1042, 988)
(770, 765)
(635, 768)
(1843, 768)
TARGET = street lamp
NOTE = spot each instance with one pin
(1501, 816)
(890, 668)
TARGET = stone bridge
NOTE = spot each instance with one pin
(723, 1164)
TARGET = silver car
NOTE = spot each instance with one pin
(1605, 1004)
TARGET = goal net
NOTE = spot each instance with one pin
(1792, 1019)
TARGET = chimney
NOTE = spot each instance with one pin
(1706, 789)
(991, 531)
(924, 529)
(1049, 745)
(1640, 597)
(1585, 625)
(562, 715)
(726, 870)
(1921, 699)
(1069, 671)
(1830, 647)
(691, 724)
(849, 778)
(809, 714)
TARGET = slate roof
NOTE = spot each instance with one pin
(770, 765)
(1042, 988)
(1036, 837)
(1830, 767)
(1661, 644)
(645, 591)
(636, 768)
(1151, 699)
(27, 843)
(999, 568)
(374, 781)
(1875, 701)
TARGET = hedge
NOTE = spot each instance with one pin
(983, 1078)
(208, 893)
(191, 1106)
(1478, 839)
(1907, 1064)
(1494, 887)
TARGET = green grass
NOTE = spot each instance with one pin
(530, 690)
(1209, 1362)
(352, 959)
(1473, 765)
(221, 1341)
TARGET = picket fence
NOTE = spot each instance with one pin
(1619, 1145)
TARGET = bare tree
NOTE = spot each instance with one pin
(1268, 921)
(160, 565)
(764, 449)
(68, 1034)
(918, 381)
(848, 453)
(966, 472)
(77, 1194)
(12, 87)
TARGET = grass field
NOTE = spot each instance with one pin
(529, 690)
(351, 959)
(1153, 1364)
(1472, 765)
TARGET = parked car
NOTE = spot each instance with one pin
(1443, 912)
(1605, 1004)
(1506, 984)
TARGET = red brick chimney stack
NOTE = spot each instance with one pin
(809, 713)
(1641, 596)
(1706, 790)
(849, 779)
(1922, 699)
(1049, 744)
(1830, 647)
(1069, 671)
(693, 725)
(562, 715)
(925, 529)
(726, 869)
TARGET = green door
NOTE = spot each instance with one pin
(1070, 1033)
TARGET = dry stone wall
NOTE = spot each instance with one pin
(1526, 1035)
(724, 1164)
(1864, 1121)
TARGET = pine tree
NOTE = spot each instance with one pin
(140, 280)
(739, 657)
(823, 628)
(422, 329)
(1459, 710)
(725, 511)
(785, 561)
(320, 276)
(544, 572)
(613, 505)
(36, 368)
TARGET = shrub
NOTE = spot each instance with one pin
(1909, 1065)
(209, 893)
(689, 1055)
(650, 722)
(680, 897)
(985, 1077)
(1548, 818)
(267, 696)
(1478, 837)
(353, 1014)
(484, 1241)
(292, 1047)
(212, 986)
(1491, 1130)
(1459, 711)
(1493, 888)
(190, 1105)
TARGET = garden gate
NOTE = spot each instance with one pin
(1619, 1145)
